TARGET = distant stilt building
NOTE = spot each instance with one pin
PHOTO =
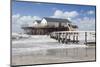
(48, 25)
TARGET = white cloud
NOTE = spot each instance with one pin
(66, 14)
(71, 14)
(91, 12)
(36, 18)
(85, 23)
(15, 18)
(58, 13)
(18, 21)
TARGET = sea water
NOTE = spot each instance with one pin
(44, 46)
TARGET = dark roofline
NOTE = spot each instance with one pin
(57, 19)
(39, 21)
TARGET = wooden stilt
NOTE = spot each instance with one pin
(77, 40)
(73, 37)
(66, 39)
(59, 37)
(62, 38)
(86, 38)
(69, 37)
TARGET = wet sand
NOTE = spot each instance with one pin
(55, 56)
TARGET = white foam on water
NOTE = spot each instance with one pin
(42, 43)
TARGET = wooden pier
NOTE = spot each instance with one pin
(69, 36)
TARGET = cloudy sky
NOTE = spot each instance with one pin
(27, 12)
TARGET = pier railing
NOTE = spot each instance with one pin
(84, 37)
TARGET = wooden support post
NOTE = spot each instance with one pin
(86, 38)
(86, 42)
(63, 38)
(73, 37)
(77, 40)
(69, 37)
(55, 36)
(66, 41)
(58, 37)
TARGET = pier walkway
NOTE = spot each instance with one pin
(74, 36)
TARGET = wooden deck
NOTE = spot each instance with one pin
(43, 30)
